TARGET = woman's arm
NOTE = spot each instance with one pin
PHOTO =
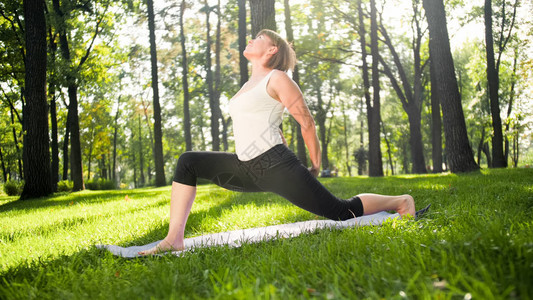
(284, 89)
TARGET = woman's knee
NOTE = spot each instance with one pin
(185, 168)
(187, 158)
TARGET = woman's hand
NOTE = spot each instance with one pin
(314, 171)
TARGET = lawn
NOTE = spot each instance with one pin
(476, 242)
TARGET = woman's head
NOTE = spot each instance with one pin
(284, 58)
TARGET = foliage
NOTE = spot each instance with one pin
(100, 184)
(13, 188)
(64, 186)
(328, 51)
(474, 243)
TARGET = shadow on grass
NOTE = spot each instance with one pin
(73, 223)
(87, 196)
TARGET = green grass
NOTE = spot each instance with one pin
(477, 241)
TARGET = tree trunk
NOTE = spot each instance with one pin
(374, 110)
(493, 80)
(243, 62)
(115, 136)
(76, 167)
(510, 106)
(141, 155)
(516, 148)
(218, 88)
(66, 143)
(184, 72)
(135, 183)
(321, 123)
(480, 146)
(483, 147)
(361, 157)
(346, 145)
(73, 130)
(89, 159)
(53, 115)
(4, 173)
(215, 132)
(16, 142)
(415, 141)
(410, 94)
(436, 124)
(486, 151)
(54, 146)
(36, 151)
(158, 134)
(263, 15)
(389, 154)
(300, 143)
(103, 164)
(458, 151)
(225, 126)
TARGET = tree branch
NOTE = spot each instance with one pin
(13, 27)
(504, 44)
(86, 56)
(401, 71)
(387, 71)
(10, 103)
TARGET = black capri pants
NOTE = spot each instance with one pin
(277, 170)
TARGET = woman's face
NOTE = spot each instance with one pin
(258, 47)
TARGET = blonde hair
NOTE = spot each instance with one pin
(285, 58)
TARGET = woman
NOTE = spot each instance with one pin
(262, 162)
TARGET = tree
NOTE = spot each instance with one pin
(52, 84)
(141, 154)
(410, 93)
(498, 159)
(512, 94)
(243, 62)
(436, 123)
(63, 12)
(12, 74)
(36, 152)
(185, 81)
(300, 143)
(115, 137)
(214, 104)
(322, 109)
(493, 78)
(158, 134)
(345, 135)
(4, 172)
(263, 15)
(458, 151)
(373, 108)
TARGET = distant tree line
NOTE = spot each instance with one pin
(86, 95)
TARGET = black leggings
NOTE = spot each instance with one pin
(278, 170)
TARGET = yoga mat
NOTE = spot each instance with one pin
(253, 235)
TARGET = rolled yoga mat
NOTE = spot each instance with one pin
(236, 238)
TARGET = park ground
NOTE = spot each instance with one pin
(475, 243)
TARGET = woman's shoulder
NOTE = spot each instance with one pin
(281, 86)
(280, 77)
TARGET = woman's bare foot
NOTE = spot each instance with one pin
(162, 247)
(407, 206)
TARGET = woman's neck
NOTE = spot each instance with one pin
(259, 70)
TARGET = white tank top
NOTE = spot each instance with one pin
(256, 118)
